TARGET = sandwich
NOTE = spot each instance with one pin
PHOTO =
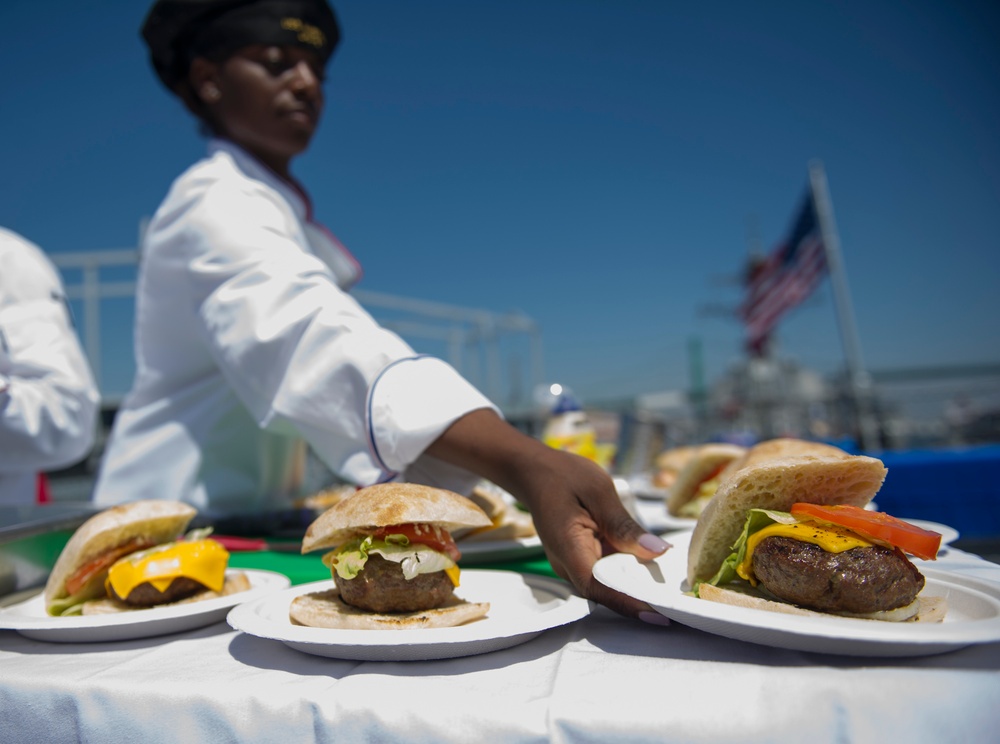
(697, 480)
(131, 557)
(669, 463)
(393, 560)
(792, 535)
(508, 522)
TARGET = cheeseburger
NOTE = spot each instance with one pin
(393, 562)
(792, 535)
(129, 557)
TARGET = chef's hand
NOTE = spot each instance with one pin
(573, 502)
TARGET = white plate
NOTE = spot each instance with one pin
(521, 607)
(30, 619)
(655, 518)
(490, 551)
(973, 612)
(948, 534)
(641, 484)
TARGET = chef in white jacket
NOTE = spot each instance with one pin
(48, 399)
(248, 345)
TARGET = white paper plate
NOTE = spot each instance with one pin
(655, 518)
(30, 619)
(521, 607)
(641, 484)
(973, 612)
(491, 551)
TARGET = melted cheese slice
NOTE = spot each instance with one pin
(831, 538)
(453, 574)
(204, 561)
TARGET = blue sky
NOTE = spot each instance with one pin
(596, 165)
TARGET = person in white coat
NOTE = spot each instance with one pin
(48, 398)
(249, 347)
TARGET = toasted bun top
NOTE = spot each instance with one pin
(773, 449)
(387, 504)
(776, 484)
(155, 520)
(706, 460)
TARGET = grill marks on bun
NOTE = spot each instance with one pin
(388, 504)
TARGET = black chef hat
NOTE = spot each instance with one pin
(177, 31)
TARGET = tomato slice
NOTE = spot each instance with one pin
(101, 563)
(876, 526)
(435, 538)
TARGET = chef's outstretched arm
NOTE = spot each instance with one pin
(576, 509)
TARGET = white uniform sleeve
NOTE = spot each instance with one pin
(301, 354)
(48, 399)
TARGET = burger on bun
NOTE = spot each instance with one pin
(508, 521)
(792, 535)
(393, 560)
(129, 557)
(670, 462)
(697, 481)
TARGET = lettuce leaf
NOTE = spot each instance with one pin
(757, 519)
(66, 607)
(349, 560)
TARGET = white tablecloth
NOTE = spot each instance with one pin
(602, 679)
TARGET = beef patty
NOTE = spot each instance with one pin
(381, 587)
(147, 595)
(860, 580)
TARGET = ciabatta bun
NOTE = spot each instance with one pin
(388, 504)
(775, 449)
(327, 610)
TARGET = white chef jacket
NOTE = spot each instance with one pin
(48, 399)
(248, 346)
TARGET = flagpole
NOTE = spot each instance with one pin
(858, 377)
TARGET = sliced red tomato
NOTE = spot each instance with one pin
(101, 563)
(712, 476)
(436, 538)
(877, 526)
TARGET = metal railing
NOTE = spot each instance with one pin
(471, 340)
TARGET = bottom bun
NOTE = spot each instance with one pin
(235, 582)
(327, 610)
(921, 610)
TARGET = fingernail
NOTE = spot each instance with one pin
(654, 543)
(654, 618)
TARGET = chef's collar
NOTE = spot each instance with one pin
(291, 190)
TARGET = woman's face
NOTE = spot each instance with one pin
(267, 99)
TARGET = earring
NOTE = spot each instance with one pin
(210, 93)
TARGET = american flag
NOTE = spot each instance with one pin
(785, 278)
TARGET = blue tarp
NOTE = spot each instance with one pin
(957, 486)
